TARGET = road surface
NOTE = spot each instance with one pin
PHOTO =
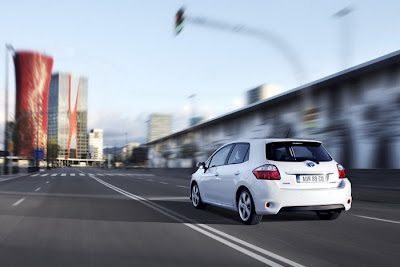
(97, 217)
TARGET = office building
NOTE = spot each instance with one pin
(262, 92)
(196, 120)
(95, 144)
(68, 103)
(32, 74)
(159, 125)
(127, 150)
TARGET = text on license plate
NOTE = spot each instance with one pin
(310, 178)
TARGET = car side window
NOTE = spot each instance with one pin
(246, 158)
(238, 154)
(207, 164)
(220, 157)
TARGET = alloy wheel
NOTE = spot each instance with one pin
(195, 195)
(244, 206)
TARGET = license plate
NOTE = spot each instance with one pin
(310, 178)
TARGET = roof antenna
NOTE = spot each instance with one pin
(287, 136)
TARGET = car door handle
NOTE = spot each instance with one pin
(237, 173)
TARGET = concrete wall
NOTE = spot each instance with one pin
(358, 121)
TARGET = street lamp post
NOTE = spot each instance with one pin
(8, 48)
(192, 105)
(345, 35)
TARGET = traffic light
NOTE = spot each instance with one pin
(11, 146)
(179, 19)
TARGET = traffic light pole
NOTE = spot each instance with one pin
(280, 44)
(8, 48)
(285, 49)
(6, 115)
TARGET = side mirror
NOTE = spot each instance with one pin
(201, 165)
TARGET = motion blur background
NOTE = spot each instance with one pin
(237, 69)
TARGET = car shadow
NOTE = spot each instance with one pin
(280, 217)
(215, 215)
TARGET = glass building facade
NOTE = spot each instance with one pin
(67, 125)
(159, 125)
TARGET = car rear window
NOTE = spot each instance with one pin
(296, 151)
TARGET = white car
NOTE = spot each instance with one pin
(256, 177)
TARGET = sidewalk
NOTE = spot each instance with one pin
(23, 172)
(10, 177)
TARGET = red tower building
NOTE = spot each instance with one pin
(73, 122)
(32, 74)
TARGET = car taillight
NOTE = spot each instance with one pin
(267, 172)
(342, 171)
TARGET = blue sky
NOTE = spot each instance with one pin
(136, 66)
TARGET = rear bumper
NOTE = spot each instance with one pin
(314, 208)
(301, 199)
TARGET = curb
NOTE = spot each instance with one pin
(3, 179)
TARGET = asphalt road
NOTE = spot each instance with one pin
(97, 217)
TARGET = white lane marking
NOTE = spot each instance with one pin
(47, 182)
(234, 246)
(244, 243)
(44, 174)
(182, 186)
(150, 180)
(100, 174)
(121, 174)
(163, 183)
(18, 202)
(82, 174)
(169, 198)
(140, 178)
(377, 219)
(180, 218)
(72, 174)
(90, 174)
(109, 174)
(37, 189)
(33, 175)
(63, 174)
(54, 174)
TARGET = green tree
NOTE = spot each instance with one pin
(52, 151)
(139, 155)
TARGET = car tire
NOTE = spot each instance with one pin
(246, 208)
(328, 214)
(195, 197)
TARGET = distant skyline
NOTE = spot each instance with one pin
(136, 66)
